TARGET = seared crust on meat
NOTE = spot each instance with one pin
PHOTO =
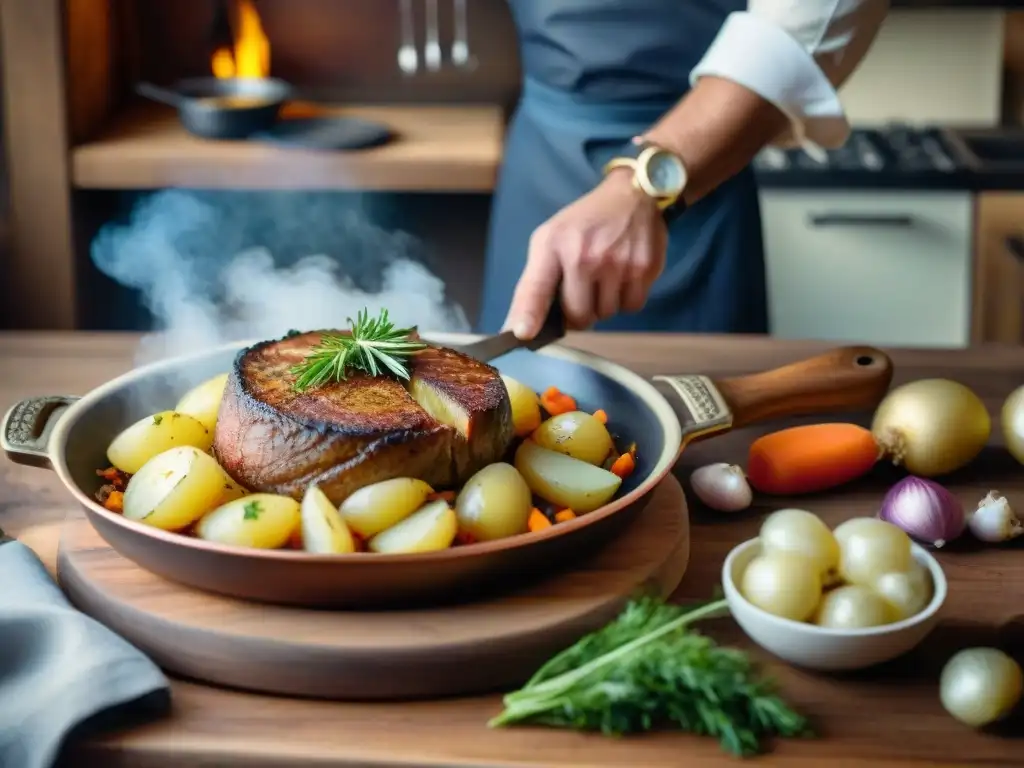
(345, 435)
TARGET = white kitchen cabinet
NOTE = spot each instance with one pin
(874, 267)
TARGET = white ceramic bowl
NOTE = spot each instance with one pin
(821, 648)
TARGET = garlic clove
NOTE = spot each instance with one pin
(994, 520)
(722, 487)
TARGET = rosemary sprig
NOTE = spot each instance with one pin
(373, 346)
(647, 669)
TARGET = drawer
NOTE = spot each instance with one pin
(887, 268)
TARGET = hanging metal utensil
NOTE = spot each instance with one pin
(408, 58)
(432, 48)
(461, 56)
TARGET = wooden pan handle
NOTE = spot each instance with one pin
(844, 379)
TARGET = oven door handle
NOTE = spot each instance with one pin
(897, 220)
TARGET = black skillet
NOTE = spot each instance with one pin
(231, 108)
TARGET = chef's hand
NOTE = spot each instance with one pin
(606, 249)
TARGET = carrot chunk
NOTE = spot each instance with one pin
(810, 458)
(564, 515)
(448, 496)
(624, 465)
(114, 501)
(555, 402)
(538, 521)
(601, 416)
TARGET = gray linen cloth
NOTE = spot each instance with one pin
(61, 672)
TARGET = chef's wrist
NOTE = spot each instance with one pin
(621, 180)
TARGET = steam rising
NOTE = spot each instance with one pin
(224, 267)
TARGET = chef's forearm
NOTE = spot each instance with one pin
(717, 129)
(769, 77)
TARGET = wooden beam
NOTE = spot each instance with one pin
(39, 287)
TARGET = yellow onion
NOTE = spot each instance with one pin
(1013, 423)
(932, 426)
(979, 686)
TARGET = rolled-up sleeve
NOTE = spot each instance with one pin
(795, 54)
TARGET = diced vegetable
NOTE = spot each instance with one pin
(114, 501)
(381, 505)
(154, 434)
(601, 416)
(575, 434)
(430, 528)
(538, 521)
(623, 466)
(564, 515)
(563, 480)
(494, 503)
(174, 488)
(323, 530)
(261, 520)
(810, 458)
(202, 402)
(525, 406)
(554, 401)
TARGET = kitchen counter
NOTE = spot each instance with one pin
(435, 148)
(889, 717)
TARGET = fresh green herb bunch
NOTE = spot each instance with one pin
(646, 670)
(374, 346)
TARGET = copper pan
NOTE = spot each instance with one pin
(69, 435)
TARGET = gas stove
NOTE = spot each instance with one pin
(891, 156)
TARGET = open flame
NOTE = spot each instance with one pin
(251, 54)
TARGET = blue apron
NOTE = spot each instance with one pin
(596, 74)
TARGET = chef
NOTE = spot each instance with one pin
(626, 191)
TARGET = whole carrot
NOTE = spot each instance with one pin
(810, 458)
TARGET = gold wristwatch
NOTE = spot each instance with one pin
(657, 172)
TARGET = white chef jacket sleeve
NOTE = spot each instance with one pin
(795, 54)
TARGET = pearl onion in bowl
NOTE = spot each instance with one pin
(824, 648)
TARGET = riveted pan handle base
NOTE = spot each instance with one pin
(844, 379)
(25, 430)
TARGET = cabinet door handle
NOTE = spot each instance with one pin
(1014, 245)
(860, 220)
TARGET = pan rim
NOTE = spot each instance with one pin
(636, 383)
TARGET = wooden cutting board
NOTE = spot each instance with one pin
(463, 649)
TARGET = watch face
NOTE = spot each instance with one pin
(666, 174)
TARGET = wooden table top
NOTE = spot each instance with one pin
(889, 716)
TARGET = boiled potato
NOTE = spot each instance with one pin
(202, 402)
(174, 488)
(525, 406)
(563, 480)
(155, 434)
(232, 490)
(261, 520)
(494, 503)
(375, 507)
(577, 434)
(323, 530)
(428, 529)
